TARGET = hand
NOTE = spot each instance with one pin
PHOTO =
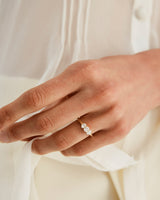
(111, 95)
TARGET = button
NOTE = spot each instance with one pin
(141, 13)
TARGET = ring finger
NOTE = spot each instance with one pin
(73, 133)
(50, 120)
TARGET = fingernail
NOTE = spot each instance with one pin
(4, 137)
(33, 149)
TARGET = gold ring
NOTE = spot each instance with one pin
(84, 126)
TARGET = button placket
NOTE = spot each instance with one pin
(140, 25)
(141, 13)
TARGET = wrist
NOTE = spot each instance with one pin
(150, 63)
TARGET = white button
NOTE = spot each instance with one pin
(141, 13)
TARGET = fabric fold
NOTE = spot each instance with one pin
(108, 158)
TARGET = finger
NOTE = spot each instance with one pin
(47, 108)
(105, 118)
(30, 138)
(99, 139)
(67, 136)
(73, 133)
(48, 121)
(39, 97)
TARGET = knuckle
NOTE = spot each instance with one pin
(89, 64)
(13, 134)
(106, 93)
(89, 70)
(104, 97)
(61, 142)
(35, 98)
(44, 124)
(5, 116)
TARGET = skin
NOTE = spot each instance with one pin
(111, 95)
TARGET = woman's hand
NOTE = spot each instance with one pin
(111, 95)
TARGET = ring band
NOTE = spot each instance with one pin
(84, 126)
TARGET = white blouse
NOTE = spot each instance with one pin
(38, 40)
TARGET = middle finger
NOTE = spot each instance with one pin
(50, 120)
(73, 134)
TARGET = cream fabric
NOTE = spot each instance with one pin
(68, 181)
(38, 40)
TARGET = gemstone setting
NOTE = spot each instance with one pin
(86, 129)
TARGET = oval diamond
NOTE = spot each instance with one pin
(86, 129)
(83, 125)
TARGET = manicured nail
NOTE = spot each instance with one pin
(4, 137)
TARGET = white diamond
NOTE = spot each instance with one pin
(86, 129)
(83, 125)
(89, 132)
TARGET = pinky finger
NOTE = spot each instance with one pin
(98, 140)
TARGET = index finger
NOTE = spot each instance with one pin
(39, 97)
